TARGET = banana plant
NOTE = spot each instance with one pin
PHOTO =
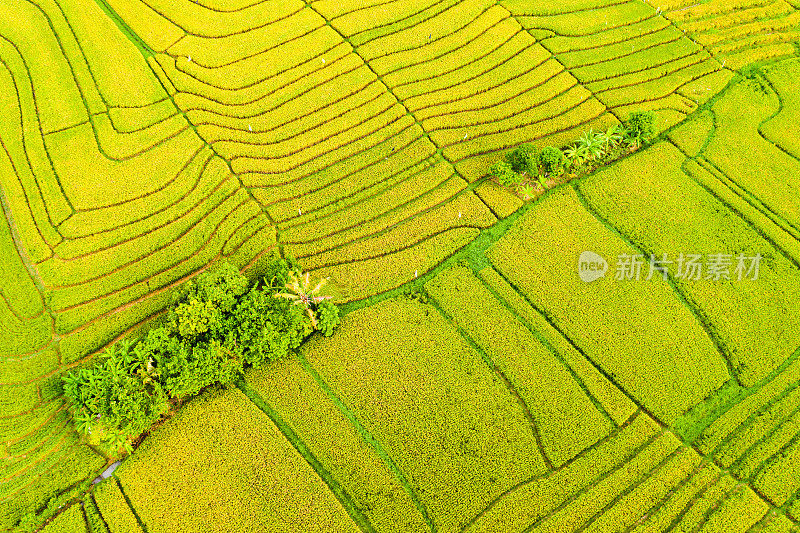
(299, 292)
(116, 440)
(145, 366)
(592, 145)
(84, 421)
(614, 135)
(72, 384)
(576, 154)
(528, 190)
(633, 141)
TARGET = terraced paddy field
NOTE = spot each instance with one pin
(477, 383)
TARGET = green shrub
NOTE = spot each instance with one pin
(641, 125)
(505, 174)
(552, 160)
(328, 318)
(523, 158)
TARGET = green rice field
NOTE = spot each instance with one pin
(613, 349)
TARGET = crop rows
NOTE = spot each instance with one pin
(627, 55)
(453, 409)
(718, 169)
(374, 481)
(737, 32)
(750, 319)
(109, 198)
(784, 81)
(144, 140)
(636, 475)
(756, 439)
(669, 334)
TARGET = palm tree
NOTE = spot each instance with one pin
(576, 154)
(299, 291)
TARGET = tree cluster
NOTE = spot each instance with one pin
(219, 324)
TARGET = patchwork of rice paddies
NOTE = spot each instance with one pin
(144, 140)
(767, 176)
(754, 435)
(473, 77)
(638, 475)
(316, 135)
(754, 322)
(563, 412)
(626, 54)
(269, 487)
(109, 200)
(469, 415)
(459, 413)
(315, 416)
(538, 256)
(783, 79)
(737, 32)
(429, 398)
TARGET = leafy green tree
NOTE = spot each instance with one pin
(221, 286)
(195, 318)
(640, 126)
(552, 160)
(276, 275)
(524, 159)
(328, 317)
(505, 174)
(269, 328)
(202, 364)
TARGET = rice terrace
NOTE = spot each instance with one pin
(414, 266)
